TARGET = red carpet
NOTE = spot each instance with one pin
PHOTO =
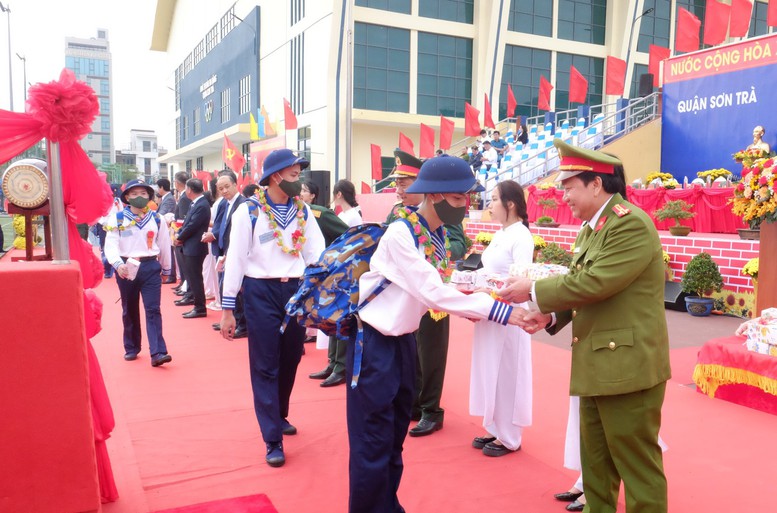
(249, 504)
(186, 434)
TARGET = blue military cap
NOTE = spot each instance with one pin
(279, 160)
(445, 174)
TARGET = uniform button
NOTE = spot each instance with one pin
(574, 313)
(612, 344)
(575, 340)
(579, 266)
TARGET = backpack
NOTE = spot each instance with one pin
(328, 297)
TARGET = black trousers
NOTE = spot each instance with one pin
(193, 272)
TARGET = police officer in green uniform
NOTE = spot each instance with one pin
(614, 298)
(331, 227)
(432, 335)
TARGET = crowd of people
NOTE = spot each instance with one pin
(250, 250)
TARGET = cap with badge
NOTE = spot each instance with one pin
(132, 184)
(445, 174)
(576, 160)
(279, 160)
(407, 166)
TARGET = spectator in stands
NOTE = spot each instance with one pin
(523, 135)
(483, 137)
(500, 145)
(475, 159)
(490, 156)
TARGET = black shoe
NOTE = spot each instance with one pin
(161, 359)
(184, 302)
(576, 506)
(425, 427)
(480, 441)
(495, 450)
(334, 379)
(416, 416)
(275, 456)
(240, 333)
(168, 281)
(194, 314)
(567, 496)
(309, 339)
(322, 374)
(130, 356)
(216, 326)
(287, 428)
(179, 293)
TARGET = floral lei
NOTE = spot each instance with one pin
(298, 237)
(425, 240)
(132, 223)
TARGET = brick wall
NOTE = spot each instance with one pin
(730, 253)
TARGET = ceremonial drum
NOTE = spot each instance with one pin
(26, 183)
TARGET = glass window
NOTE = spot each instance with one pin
(381, 68)
(185, 128)
(105, 87)
(592, 70)
(196, 121)
(400, 6)
(200, 163)
(523, 68)
(654, 27)
(105, 123)
(445, 78)
(245, 94)
(303, 142)
(582, 20)
(105, 106)
(146, 146)
(639, 70)
(758, 25)
(531, 17)
(224, 106)
(106, 159)
(451, 10)
(106, 142)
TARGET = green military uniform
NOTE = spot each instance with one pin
(614, 297)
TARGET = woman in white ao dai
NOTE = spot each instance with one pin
(501, 377)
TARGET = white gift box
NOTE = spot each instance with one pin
(762, 333)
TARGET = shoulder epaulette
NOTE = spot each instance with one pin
(620, 210)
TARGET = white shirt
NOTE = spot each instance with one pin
(352, 217)
(511, 245)
(416, 286)
(256, 254)
(490, 156)
(133, 241)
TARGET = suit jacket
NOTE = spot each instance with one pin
(196, 223)
(614, 297)
(221, 211)
(167, 204)
(182, 208)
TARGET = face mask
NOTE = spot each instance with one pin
(449, 214)
(291, 189)
(139, 202)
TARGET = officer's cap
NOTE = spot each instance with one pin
(576, 160)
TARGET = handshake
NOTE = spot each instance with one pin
(530, 321)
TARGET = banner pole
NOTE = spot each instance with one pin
(57, 203)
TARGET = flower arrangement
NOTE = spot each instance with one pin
(425, 240)
(714, 174)
(701, 275)
(751, 268)
(668, 272)
(552, 253)
(544, 186)
(666, 179)
(666, 257)
(675, 209)
(484, 238)
(754, 197)
(748, 157)
(539, 242)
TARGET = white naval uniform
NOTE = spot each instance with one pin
(133, 240)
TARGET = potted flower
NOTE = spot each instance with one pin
(546, 220)
(539, 244)
(720, 175)
(552, 253)
(677, 210)
(668, 274)
(754, 196)
(751, 269)
(701, 275)
(484, 238)
(663, 180)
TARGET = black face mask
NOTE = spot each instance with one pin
(291, 189)
(449, 214)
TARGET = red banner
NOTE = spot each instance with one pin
(741, 10)
(406, 144)
(578, 86)
(231, 156)
(471, 123)
(616, 76)
(543, 102)
(511, 102)
(426, 149)
(289, 119)
(446, 133)
(771, 14)
(377, 168)
(716, 22)
(488, 121)
(686, 37)
(656, 55)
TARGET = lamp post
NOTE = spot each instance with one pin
(24, 67)
(631, 34)
(7, 10)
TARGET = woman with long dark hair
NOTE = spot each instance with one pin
(345, 197)
(501, 377)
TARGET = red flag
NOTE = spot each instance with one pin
(543, 102)
(511, 102)
(366, 189)
(578, 86)
(487, 119)
(231, 156)
(204, 177)
(616, 76)
(686, 38)
(657, 54)
(426, 150)
(471, 123)
(289, 119)
(446, 133)
(771, 13)
(377, 167)
(406, 144)
(740, 18)
(716, 22)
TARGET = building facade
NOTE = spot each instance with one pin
(90, 61)
(411, 62)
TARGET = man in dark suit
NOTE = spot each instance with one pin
(166, 206)
(194, 251)
(181, 209)
(219, 239)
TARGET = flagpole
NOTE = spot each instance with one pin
(349, 90)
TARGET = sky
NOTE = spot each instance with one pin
(141, 98)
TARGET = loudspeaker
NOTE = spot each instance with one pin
(646, 84)
(321, 179)
(674, 297)
(471, 263)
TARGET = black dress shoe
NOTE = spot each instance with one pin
(425, 427)
(321, 374)
(184, 302)
(130, 356)
(287, 428)
(194, 314)
(179, 293)
(480, 441)
(495, 450)
(161, 359)
(168, 281)
(334, 379)
(567, 496)
(575, 506)
(216, 326)
(240, 333)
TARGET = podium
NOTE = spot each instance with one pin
(767, 270)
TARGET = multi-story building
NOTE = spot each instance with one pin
(90, 60)
(143, 145)
(411, 62)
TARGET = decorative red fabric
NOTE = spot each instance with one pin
(616, 76)
(426, 149)
(512, 103)
(446, 133)
(488, 121)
